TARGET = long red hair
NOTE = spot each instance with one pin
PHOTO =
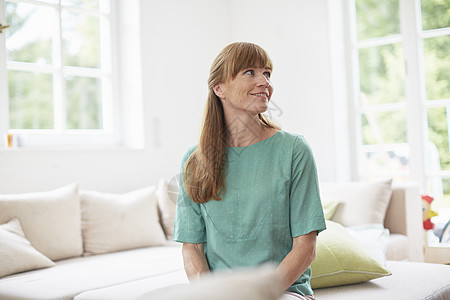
(204, 172)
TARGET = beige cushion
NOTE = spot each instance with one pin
(50, 220)
(397, 247)
(16, 253)
(360, 202)
(166, 208)
(374, 237)
(113, 222)
(329, 208)
(260, 283)
(409, 280)
(74, 276)
(341, 259)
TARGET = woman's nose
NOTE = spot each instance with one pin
(263, 80)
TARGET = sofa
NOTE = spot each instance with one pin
(71, 243)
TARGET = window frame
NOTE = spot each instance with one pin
(110, 135)
(416, 103)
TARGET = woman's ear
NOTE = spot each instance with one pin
(219, 91)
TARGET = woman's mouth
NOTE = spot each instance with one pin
(265, 95)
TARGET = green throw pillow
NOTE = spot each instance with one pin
(341, 259)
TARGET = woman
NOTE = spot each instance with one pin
(250, 192)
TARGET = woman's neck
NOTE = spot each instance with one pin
(245, 131)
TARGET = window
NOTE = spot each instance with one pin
(401, 88)
(59, 72)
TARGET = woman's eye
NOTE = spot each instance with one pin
(267, 74)
(249, 72)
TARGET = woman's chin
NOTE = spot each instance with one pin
(264, 108)
(261, 107)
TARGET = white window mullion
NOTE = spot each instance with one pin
(354, 114)
(59, 111)
(58, 78)
(384, 107)
(439, 174)
(79, 10)
(437, 103)
(435, 32)
(4, 107)
(113, 80)
(107, 103)
(380, 41)
(33, 2)
(30, 67)
(83, 72)
(410, 19)
(106, 48)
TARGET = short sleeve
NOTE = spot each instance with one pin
(189, 224)
(306, 213)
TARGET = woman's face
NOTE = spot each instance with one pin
(249, 91)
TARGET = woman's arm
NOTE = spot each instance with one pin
(194, 260)
(298, 259)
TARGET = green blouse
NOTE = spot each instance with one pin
(271, 196)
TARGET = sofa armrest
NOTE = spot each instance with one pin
(404, 216)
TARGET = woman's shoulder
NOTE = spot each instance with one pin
(294, 141)
(292, 137)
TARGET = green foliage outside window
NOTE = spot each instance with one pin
(81, 40)
(435, 14)
(437, 67)
(438, 134)
(387, 128)
(382, 72)
(83, 102)
(377, 18)
(31, 96)
(437, 76)
(31, 104)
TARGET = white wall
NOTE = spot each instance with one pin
(179, 39)
(296, 35)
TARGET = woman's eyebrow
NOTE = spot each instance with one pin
(255, 67)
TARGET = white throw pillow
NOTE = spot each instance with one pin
(374, 237)
(50, 220)
(361, 202)
(166, 208)
(114, 222)
(260, 283)
(16, 253)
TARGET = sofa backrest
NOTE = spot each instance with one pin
(404, 216)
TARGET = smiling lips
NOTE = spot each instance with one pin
(265, 95)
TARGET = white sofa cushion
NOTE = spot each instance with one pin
(114, 222)
(50, 220)
(166, 208)
(16, 253)
(374, 237)
(409, 280)
(360, 202)
(74, 276)
(397, 247)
